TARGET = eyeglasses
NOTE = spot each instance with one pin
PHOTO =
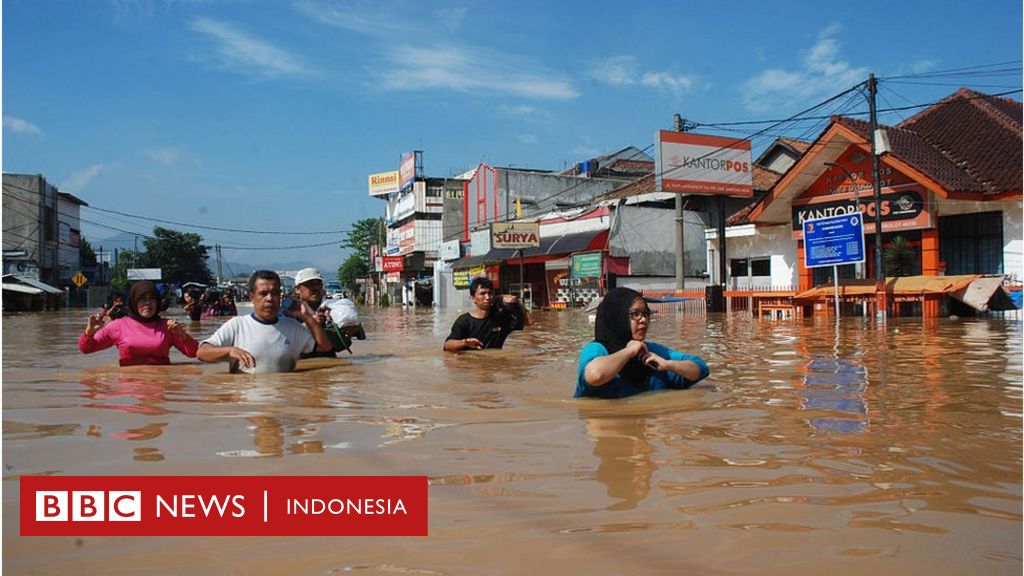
(638, 314)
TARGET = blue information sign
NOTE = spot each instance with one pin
(834, 240)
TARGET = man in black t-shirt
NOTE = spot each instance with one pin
(487, 325)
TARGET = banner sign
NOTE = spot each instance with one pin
(393, 263)
(902, 210)
(834, 241)
(702, 164)
(462, 278)
(223, 505)
(450, 250)
(586, 265)
(515, 235)
(383, 183)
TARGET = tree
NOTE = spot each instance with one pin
(119, 275)
(350, 269)
(364, 233)
(180, 256)
(900, 258)
(86, 255)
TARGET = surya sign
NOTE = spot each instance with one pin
(515, 235)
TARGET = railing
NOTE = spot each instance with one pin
(775, 301)
(693, 305)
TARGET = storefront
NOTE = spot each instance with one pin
(540, 270)
(955, 212)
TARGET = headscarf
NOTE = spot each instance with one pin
(612, 329)
(135, 293)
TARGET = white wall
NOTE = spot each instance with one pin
(773, 242)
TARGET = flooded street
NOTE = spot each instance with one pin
(809, 450)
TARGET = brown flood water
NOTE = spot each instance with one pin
(867, 450)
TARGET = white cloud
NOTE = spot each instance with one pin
(625, 70)
(527, 138)
(615, 70)
(166, 155)
(242, 53)
(355, 18)
(666, 81)
(823, 72)
(922, 66)
(471, 71)
(80, 179)
(19, 126)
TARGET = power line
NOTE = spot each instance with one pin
(952, 71)
(216, 228)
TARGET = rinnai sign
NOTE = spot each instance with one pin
(515, 235)
(223, 506)
(383, 183)
(393, 263)
(702, 164)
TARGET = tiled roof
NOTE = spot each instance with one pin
(981, 134)
(800, 146)
(916, 151)
(968, 142)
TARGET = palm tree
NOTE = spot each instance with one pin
(900, 257)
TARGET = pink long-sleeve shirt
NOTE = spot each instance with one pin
(138, 343)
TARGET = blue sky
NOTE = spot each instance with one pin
(259, 115)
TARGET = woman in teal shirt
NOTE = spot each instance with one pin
(619, 362)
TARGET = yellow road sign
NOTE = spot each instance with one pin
(79, 279)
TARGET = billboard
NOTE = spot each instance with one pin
(515, 235)
(407, 171)
(702, 164)
(383, 183)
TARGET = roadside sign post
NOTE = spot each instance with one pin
(79, 280)
(833, 241)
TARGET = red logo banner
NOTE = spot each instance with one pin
(224, 505)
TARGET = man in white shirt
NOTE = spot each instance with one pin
(264, 341)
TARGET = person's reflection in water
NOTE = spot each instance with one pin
(625, 466)
(135, 394)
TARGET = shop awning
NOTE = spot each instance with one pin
(550, 247)
(902, 286)
(42, 286)
(13, 287)
(986, 294)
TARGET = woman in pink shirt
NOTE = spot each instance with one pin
(142, 337)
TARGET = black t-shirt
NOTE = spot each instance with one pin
(492, 330)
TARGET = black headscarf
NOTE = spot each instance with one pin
(612, 329)
(135, 293)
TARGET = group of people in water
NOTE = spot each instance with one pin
(619, 362)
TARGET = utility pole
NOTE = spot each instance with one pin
(877, 185)
(680, 229)
(219, 272)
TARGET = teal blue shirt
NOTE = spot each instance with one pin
(619, 388)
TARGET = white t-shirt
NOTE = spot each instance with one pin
(275, 346)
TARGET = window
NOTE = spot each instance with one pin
(738, 268)
(972, 243)
(762, 267)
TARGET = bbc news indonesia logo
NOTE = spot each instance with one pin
(223, 505)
